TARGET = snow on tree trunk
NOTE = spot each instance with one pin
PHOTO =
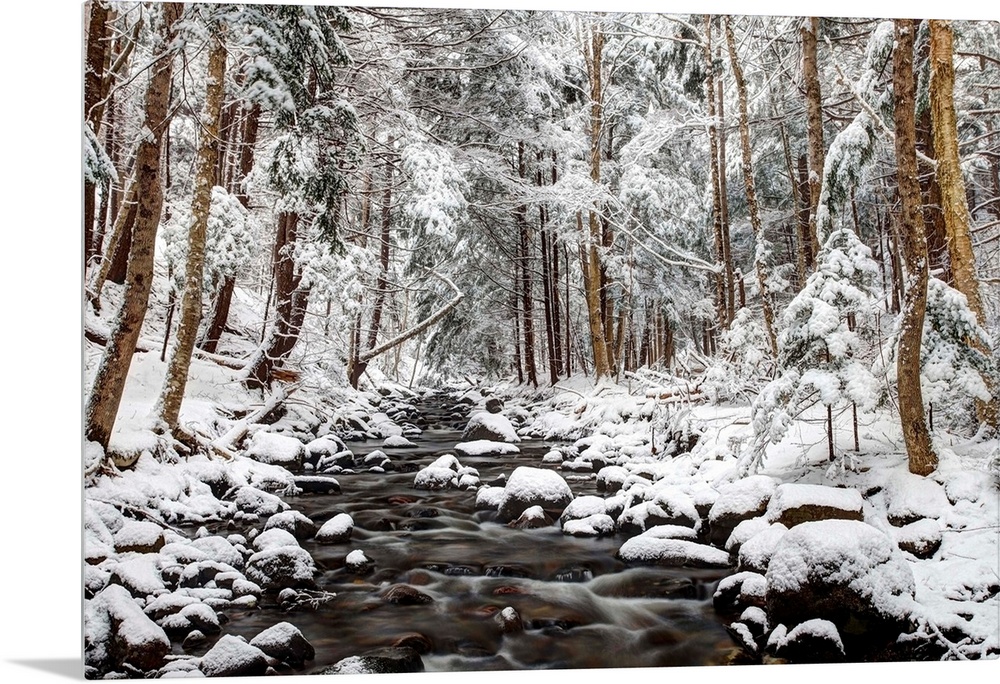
(748, 178)
(922, 459)
(953, 196)
(208, 155)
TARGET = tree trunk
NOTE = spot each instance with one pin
(953, 197)
(97, 51)
(593, 54)
(201, 202)
(224, 297)
(109, 381)
(527, 304)
(289, 307)
(724, 204)
(721, 301)
(814, 125)
(748, 179)
(922, 459)
(557, 344)
(547, 293)
(356, 367)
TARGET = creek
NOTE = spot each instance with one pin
(580, 606)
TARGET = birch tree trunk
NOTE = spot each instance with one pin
(922, 459)
(208, 159)
(953, 197)
(748, 179)
(109, 381)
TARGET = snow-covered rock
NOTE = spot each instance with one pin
(258, 502)
(279, 567)
(117, 633)
(597, 525)
(529, 487)
(275, 449)
(286, 643)
(488, 498)
(336, 530)
(398, 442)
(911, 497)
(795, 503)
(494, 427)
(921, 538)
(357, 562)
(485, 447)
(293, 522)
(232, 656)
(844, 571)
(755, 554)
(138, 536)
(812, 641)
(531, 518)
(647, 549)
(739, 501)
(740, 590)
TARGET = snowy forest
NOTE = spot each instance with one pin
(426, 339)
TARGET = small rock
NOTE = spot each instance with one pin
(405, 595)
(336, 530)
(391, 660)
(509, 621)
(358, 563)
(293, 522)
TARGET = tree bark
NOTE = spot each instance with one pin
(109, 381)
(527, 304)
(97, 50)
(224, 297)
(953, 196)
(748, 179)
(922, 459)
(206, 174)
(721, 300)
(814, 125)
(290, 305)
(593, 55)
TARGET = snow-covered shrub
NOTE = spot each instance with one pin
(952, 370)
(820, 351)
(743, 363)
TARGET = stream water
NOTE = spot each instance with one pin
(580, 607)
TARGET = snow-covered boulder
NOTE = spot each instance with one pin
(281, 567)
(357, 562)
(532, 518)
(611, 478)
(744, 531)
(140, 575)
(739, 501)
(647, 549)
(755, 554)
(275, 449)
(911, 497)
(219, 549)
(258, 502)
(844, 571)
(293, 522)
(812, 641)
(286, 643)
(435, 478)
(117, 632)
(485, 447)
(583, 507)
(794, 503)
(529, 487)
(138, 536)
(488, 498)
(274, 538)
(336, 530)
(232, 656)
(494, 427)
(316, 484)
(597, 525)
(398, 442)
(921, 538)
(739, 591)
(390, 660)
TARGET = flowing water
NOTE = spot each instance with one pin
(580, 607)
